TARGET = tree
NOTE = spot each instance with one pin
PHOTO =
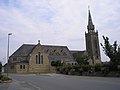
(0, 68)
(112, 51)
(82, 59)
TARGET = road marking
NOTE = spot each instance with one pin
(38, 88)
(23, 82)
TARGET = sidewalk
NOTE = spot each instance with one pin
(16, 85)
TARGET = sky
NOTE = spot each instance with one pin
(56, 22)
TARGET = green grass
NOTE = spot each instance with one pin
(4, 78)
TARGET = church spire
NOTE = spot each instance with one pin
(90, 25)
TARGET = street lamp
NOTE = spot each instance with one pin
(8, 51)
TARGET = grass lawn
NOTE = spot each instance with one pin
(4, 78)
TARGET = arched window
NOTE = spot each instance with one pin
(41, 59)
(36, 59)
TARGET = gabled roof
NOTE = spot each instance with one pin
(24, 50)
(58, 53)
(55, 52)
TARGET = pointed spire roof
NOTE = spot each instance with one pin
(90, 26)
(90, 19)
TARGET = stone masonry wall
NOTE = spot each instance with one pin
(33, 67)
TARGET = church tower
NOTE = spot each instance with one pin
(92, 42)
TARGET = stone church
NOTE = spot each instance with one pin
(31, 58)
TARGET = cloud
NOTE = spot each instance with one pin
(56, 22)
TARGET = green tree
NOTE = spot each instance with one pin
(0, 68)
(82, 59)
(112, 51)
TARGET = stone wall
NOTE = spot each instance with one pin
(22, 68)
(42, 67)
(16, 68)
(11, 68)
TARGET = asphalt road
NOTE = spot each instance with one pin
(60, 82)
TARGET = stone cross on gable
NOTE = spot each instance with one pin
(39, 41)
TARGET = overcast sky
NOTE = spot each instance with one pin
(56, 22)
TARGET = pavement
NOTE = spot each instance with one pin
(17, 85)
(22, 85)
(59, 82)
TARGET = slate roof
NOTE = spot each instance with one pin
(58, 53)
(25, 62)
(55, 52)
(24, 50)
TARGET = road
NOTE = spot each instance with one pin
(60, 82)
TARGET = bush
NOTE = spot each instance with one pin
(86, 68)
(57, 63)
(77, 67)
(1, 76)
(4, 78)
(98, 67)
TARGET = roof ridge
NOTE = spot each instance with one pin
(29, 44)
(54, 45)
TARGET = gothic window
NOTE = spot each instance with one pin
(41, 59)
(22, 66)
(36, 59)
